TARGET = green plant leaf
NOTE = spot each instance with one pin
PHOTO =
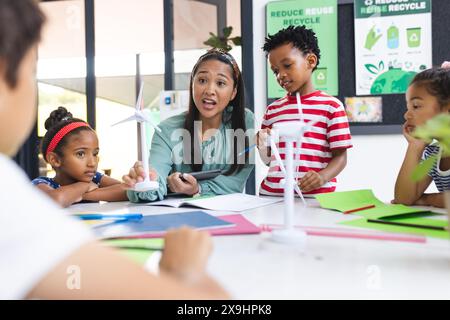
(237, 41)
(209, 42)
(227, 31)
(222, 42)
(371, 68)
(381, 65)
(437, 128)
(423, 168)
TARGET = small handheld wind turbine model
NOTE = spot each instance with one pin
(141, 117)
(291, 132)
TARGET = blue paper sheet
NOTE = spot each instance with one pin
(160, 223)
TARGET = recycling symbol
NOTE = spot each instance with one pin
(368, 2)
(321, 76)
(414, 38)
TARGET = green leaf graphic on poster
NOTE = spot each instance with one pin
(392, 81)
(371, 68)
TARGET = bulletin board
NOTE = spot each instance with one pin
(393, 105)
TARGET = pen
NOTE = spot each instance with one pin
(403, 224)
(360, 209)
(246, 150)
(125, 216)
(149, 248)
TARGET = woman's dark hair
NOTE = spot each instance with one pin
(437, 82)
(56, 121)
(20, 28)
(237, 117)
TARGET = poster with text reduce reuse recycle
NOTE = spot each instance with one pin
(321, 17)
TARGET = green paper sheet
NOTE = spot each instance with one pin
(442, 234)
(348, 200)
(138, 255)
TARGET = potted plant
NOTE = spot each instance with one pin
(435, 129)
(223, 42)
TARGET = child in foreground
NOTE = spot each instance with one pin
(42, 248)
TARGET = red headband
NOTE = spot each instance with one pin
(61, 133)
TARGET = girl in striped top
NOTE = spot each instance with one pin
(428, 95)
(293, 55)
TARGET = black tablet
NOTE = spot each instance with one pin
(204, 175)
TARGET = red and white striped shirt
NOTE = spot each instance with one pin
(331, 132)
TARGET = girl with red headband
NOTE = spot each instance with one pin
(70, 146)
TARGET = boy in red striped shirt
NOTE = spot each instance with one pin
(293, 55)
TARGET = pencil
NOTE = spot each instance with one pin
(404, 224)
(139, 248)
(134, 247)
(246, 150)
(360, 209)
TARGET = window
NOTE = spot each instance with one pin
(124, 32)
(62, 63)
(193, 21)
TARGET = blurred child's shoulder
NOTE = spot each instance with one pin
(45, 180)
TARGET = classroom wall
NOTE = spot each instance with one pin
(374, 160)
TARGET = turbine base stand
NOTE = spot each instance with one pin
(146, 186)
(289, 236)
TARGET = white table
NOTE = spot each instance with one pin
(254, 267)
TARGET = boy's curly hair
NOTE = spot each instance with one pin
(302, 38)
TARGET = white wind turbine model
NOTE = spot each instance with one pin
(291, 131)
(141, 117)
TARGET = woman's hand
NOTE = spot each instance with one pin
(182, 183)
(186, 252)
(137, 174)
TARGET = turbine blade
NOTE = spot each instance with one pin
(131, 118)
(150, 121)
(276, 153)
(299, 192)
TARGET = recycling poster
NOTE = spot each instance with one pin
(319, 15)
(392, 44)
